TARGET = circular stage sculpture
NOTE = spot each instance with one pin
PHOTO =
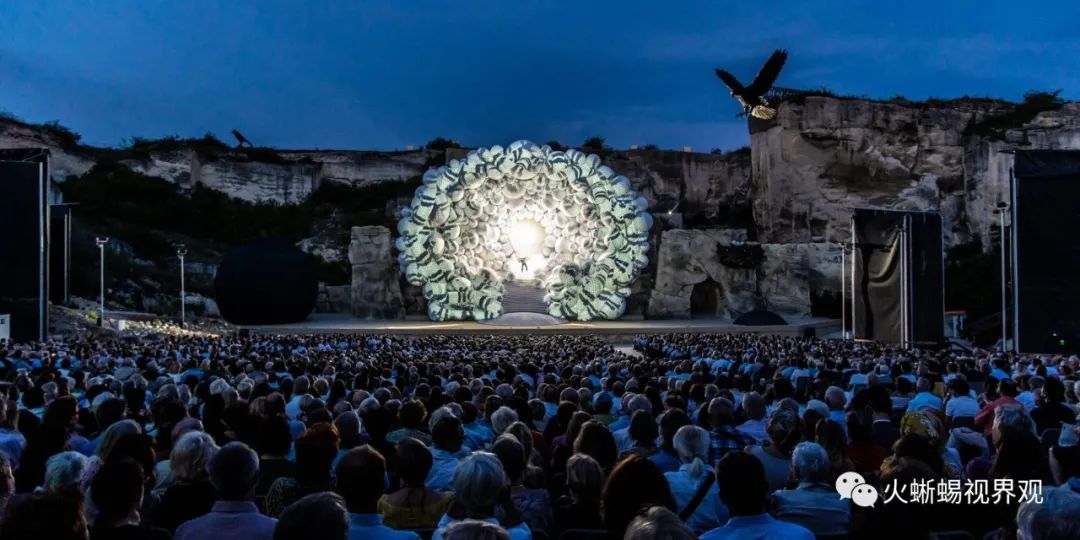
(265, 282)
(530, 214)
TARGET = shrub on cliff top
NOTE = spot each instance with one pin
(1034, 103)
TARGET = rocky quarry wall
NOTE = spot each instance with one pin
(791, 193)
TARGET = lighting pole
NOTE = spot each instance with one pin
(101, 241)
(1001, 210)
(180, 252)
(843, 290)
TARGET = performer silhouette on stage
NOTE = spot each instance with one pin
(524, 265)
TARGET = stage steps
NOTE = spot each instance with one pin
(523, 296)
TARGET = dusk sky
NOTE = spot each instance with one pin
(383, 75)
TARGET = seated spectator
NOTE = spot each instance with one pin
(658, 523)
(414, 506)
(274, 443)
(448, 436)
(1057, 516)
(863, 451)
(670, 422)
(743, 487)
(884, 430)
(620, 428)
(7, 486)
(754, 408)
(960, 403)
(50, 437)
(814, 503)
(315, 451)
(1050, 408)
(64, 473)
(634, 483)
(162, 469)
(597, 442)
(832, 438)
(411, 416)
(117, 492)
(724, 437)
(532, 505)
(836, 400)
(475, 530)
(924, 398)
(191, 494)
(320, 515)
(361, 480)
(785, 432)
(692, 485)
(12, 442)
(580, 509)
(984, 421)
(51, 516)
(234, 473)
(643, 433)
(479, 486)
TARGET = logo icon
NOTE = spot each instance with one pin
(847, 482)
(864, 495)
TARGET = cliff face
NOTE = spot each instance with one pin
(290, 178)
(820, 158)
(62, 163)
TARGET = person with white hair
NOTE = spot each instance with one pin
(502, 418)
(693, 485)
(191, 495)
(924, 398)
(814, 504)
(479, 482)
(1056, 516)
(475, 530)
(64, 472)
(836, 399)
(658, 523)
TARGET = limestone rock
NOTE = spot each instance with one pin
(63, 161)
(689, 257)
(819, 159)
(376, 293)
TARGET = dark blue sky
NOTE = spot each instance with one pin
(388, 74)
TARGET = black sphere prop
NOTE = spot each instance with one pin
(760, 317)
(266, 282)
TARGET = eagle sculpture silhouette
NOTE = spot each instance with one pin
(751, 97)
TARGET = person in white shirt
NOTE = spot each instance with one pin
(960, 402)
(754, 407)
(925, 399)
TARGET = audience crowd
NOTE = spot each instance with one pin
(734, 436)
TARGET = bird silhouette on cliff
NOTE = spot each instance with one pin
(751, 97)
(241, 140)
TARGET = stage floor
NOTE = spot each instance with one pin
(622, 330)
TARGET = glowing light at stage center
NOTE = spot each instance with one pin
(527, 237)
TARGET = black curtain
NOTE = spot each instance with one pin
(1046, 224)
(24, 230)
(877, 275)
(927, 278)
